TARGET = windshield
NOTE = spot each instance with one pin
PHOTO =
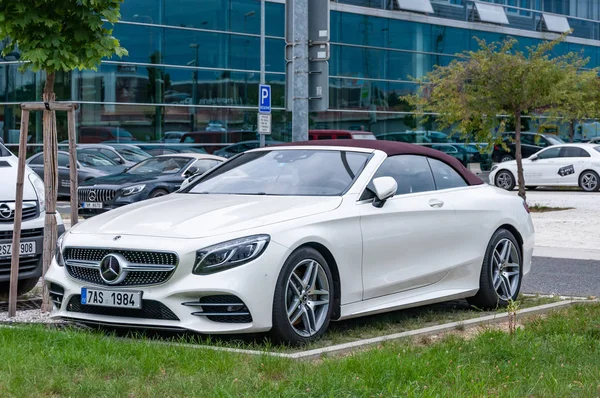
(160, 165)
(554, 140)
(94, 159)
(597, 148)
(285, 172)
(132, 154)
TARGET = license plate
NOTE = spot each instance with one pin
(91, 205)
(111, 298)
(27, 249)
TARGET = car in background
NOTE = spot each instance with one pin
(531, 143)
(99, 134)
(32, 224)
(465, 154)
(156, 149)
(151, 178)
(286, 239)
(340, 135)
(212, 141)
(232, 150)
(123, 154)
(594, 140)
(415, 137)
(172, 137)
(90, 164)
(566, 165)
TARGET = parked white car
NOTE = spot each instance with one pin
(288, 238)
(32, 232)
(568, 165)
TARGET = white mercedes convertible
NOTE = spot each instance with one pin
(286, 239)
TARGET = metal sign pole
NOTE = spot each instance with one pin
(300, 71)
(262, 55)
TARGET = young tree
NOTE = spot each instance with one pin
(54, 36)
(480, 92)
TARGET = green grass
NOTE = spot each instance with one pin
(558, 356)
(545, 209)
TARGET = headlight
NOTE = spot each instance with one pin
(229, 254)
(494, 167)
(38, 187)
(60, 260)
(133, 190)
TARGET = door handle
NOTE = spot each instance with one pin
(436, 203)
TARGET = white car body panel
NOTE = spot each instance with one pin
(440, 262)
(545, 172)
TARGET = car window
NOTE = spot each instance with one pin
(4, 151)
(39, 159)
(63, 160)
(132, 154)
(411, 172)
(111, 155)
(445, 177)
(550, 153)
(573, 152)
(93, 159)
(203, 165)
(530, 139)
(597, 148)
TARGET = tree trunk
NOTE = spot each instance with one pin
(572, 130)
(50, 185)
(518, 156)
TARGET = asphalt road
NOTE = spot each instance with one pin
(565, 277)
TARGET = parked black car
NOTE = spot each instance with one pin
(90, 164)
(151, 178)
(530, 144)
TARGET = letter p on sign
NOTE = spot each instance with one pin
(264, 98)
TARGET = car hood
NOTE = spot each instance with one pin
(197, 216)
(126, 179)
(8, 181)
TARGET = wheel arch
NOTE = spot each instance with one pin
(337, 292)
(513, 230)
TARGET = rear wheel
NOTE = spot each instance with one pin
(501, 272)
(589, 181)
(303, 300)
(505, 180)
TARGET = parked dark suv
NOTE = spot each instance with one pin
(530, 144)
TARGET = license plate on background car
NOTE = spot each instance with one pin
(27, 249)
(110, 298)
(91, 205)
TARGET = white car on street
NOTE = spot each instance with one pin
(287, 238)
(567, 165)
(32, 227)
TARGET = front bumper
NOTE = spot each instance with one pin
(163, 305)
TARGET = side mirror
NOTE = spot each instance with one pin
(385, 188)
(190, 172)
(533, 158)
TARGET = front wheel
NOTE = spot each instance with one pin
(158, 193)
(589, 181)
(501, 272)
(303, 300)
(24, 286)
(505, 180)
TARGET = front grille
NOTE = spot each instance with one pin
(221, 308)
(150, 310)
(26, 233)
(133, 278)
(26, 264)
(57, 294)
(7, 211)
(96, 195)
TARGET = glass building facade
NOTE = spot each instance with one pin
(193, 65)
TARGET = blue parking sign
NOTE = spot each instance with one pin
(264, 98)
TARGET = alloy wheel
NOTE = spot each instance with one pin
(506, 269)
(504, 180)
(589, 181)
(307, 298)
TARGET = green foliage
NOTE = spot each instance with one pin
(60, 35)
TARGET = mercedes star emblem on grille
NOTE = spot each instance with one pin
(111, 270)
(92, 196)
(5, 211)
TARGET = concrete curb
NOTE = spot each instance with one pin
(359, 345)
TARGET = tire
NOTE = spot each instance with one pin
(531, 187)
(291, 291)
(505, 180)
(158, 193)
(506, 158)
(501, 276)
(24, 286)
(589, 181)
